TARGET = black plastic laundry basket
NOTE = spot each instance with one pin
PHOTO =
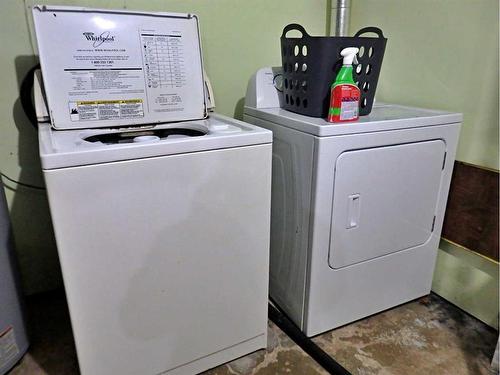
(311, 63)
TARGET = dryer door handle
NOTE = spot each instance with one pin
(353, 208)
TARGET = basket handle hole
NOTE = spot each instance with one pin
(296, 84)
(286, 83)
(359, 68)
(304, 50)
(287, 99)
(370, 52)
(304, 67)
(291, 100)
(361, 51)
(364, 102)
(296, 67)
(368, 69)
(296, 50)
(366, 86)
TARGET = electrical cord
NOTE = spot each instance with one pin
(279, 318)
(21, 183)
(25, 97)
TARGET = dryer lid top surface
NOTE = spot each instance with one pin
(383, 117)
(104, 68)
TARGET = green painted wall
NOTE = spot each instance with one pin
(238, 37)
(18, 157)
(444, 54)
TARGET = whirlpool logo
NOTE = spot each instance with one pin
(105, 37)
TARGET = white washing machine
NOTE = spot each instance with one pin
(357, 208)
(162, 229)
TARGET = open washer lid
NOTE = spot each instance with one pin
(104, 68)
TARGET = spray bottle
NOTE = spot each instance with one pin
(344, 96)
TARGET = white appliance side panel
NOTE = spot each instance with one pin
(165, 260)
(114, 68)
(384, 200)
(337, 297)
(290, 211)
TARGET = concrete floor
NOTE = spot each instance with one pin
(427, 336)
(423, 337)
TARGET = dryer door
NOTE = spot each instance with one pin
(384, 200)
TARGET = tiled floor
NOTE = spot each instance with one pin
(428, 336)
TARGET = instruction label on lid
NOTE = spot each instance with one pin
(106, 109)
(106, 68)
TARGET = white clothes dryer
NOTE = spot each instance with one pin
(357, 208)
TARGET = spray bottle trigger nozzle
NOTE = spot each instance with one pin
(349, 55)
(355, 60)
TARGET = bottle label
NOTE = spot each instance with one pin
(344, 103)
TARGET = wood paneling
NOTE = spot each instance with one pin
(471, 218)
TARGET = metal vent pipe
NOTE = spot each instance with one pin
(339, 19)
